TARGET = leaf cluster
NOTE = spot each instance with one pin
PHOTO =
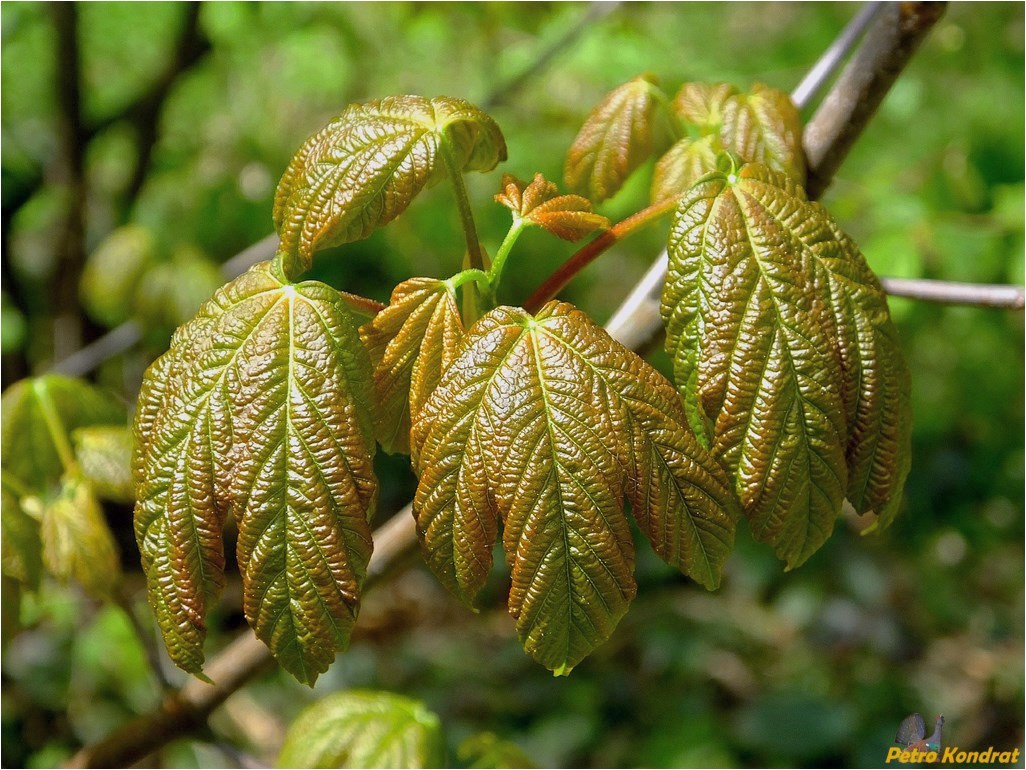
(539, 430)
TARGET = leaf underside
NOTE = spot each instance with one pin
(362, 170)
(785, 356)
(411, 342)
(550, 425)
(616, 138)
(262, 408)
(360, 728)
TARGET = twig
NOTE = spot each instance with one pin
(834, 56)
(949, 292)
(860, 89)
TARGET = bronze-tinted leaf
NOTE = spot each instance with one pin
(263, 406)
(616, 138)
(755, 360)
(549, 424)
(411, 343)
(763, 126)
(362, 170)
(703, 104)
(682, 165)
(539, 203)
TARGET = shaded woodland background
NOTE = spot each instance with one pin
(178, 120)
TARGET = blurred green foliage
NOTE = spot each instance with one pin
(813, 667)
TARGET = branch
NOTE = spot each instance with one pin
(949, 292)
(860, 89)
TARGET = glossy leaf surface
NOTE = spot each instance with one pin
(682, 165)
(360, 728)
(362, 170)
(548, 424)
(539, 203)
(264, 407)
(782, 346)
(411, 342)
(616, 138)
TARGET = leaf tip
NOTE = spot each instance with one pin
(563, 670)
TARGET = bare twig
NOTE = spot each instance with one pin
(949, 292)
(860, 89)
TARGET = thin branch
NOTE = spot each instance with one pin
(860, 89)
(834, 56)
(951, 293)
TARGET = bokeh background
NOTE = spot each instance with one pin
(176, 121)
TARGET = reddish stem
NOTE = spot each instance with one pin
(590, 251)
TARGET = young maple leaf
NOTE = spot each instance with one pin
(566, 216)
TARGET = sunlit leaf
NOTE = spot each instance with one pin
(359, 728)
(703, 104)
(755, 361)
(263, 406)
(362, 170)
(763, 126)
(411, 342)
(104, 455)
(616, 138)
(20, 545)
(39, 415)
(549, 424)
(539, 203)
(113, 271)
(77, 543)
(682, 165)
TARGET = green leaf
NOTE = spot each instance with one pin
(104, 455)
(263, 407)
(360, 728)
(362, 170)
(38, 416)
(763, 126)
(549, 424)
(755, 364)
(20, 546)
(77, 543)
(487, 750)
(411, 343)
(114, 270)
(615, 139)
(682, 165)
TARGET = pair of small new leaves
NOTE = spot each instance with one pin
(268, 405)
(65, 446)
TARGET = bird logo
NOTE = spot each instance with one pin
(912, 730)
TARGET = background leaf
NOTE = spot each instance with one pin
(77, 543)
(763, 126)
(361, 728)
(104, 455)
(616, 138)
